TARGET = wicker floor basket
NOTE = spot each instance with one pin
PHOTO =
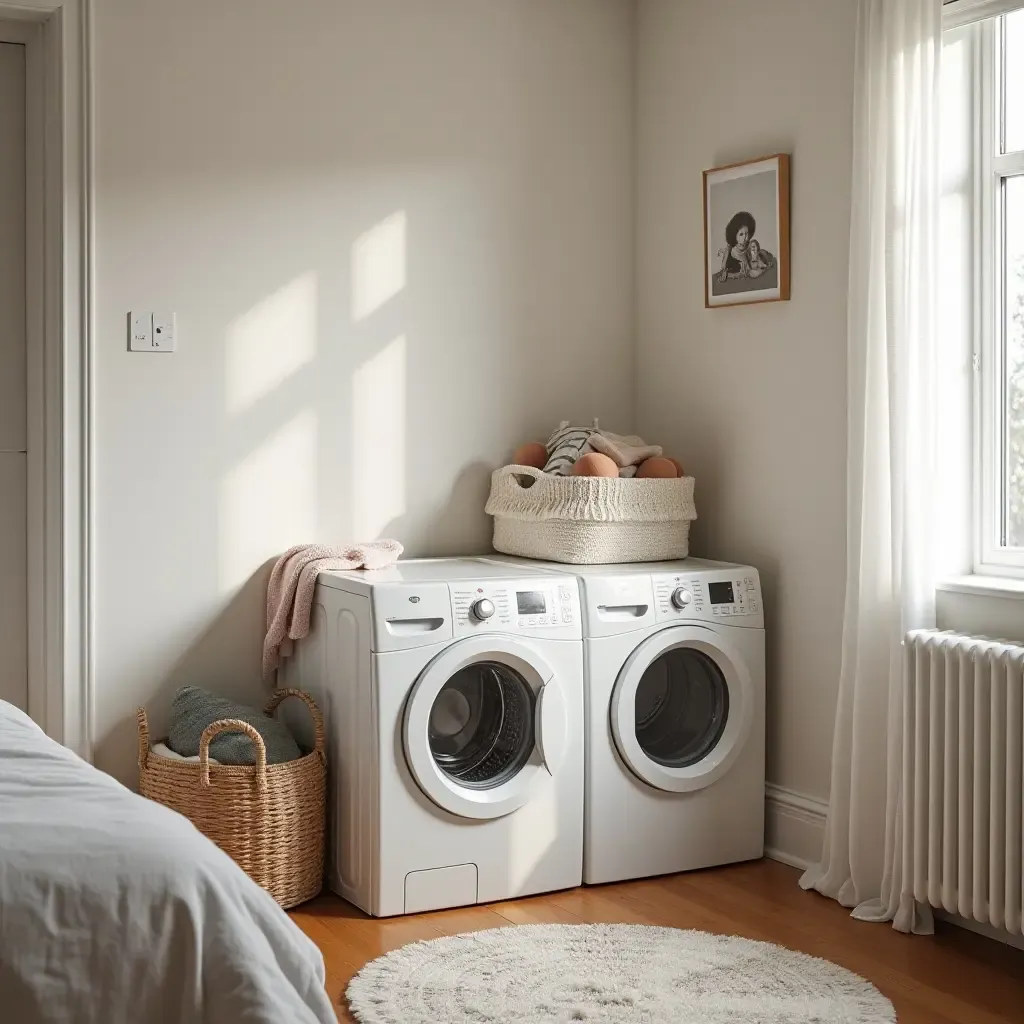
(268, 818)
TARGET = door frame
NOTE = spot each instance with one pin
(59, 335)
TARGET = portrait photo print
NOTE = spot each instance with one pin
(746, 232)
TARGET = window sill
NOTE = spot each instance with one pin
(985, 586)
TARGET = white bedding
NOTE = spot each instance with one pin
(114, 909)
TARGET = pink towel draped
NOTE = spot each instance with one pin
(290, 590)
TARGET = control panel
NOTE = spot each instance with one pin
(541, 604)
(726, 594)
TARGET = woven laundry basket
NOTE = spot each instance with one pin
(584, 520)
(268, 818)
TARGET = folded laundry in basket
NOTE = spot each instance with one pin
(193, 709)
(162, 750)
(624, 449)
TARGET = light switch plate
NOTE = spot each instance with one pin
(140, 332)
(164, 332)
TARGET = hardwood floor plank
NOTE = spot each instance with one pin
(596, 907)
(464, 919)
(534, 910)
(803, 920)
(954, 977)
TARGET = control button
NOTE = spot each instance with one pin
(681, 597)
(567, 615)
(752, 607)
(483, 609)
(565, 593)
(717, 610)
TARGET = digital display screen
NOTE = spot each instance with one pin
(721, 593)
(531, 602)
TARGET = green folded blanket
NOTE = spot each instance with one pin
(193, 709)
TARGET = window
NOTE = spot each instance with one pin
(983, 218)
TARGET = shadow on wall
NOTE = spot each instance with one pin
(222, 659)
(226, 658)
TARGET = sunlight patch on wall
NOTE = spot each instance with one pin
(378, 441)
(268, 502)
(378, 265)
(270, 342)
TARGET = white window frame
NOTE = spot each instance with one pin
(990, 557)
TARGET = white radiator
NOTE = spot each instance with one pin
(963, 776)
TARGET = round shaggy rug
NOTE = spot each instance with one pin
(612, 973)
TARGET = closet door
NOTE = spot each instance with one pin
(13, 440)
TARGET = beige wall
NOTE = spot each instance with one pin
(398, 240)
(753, 400)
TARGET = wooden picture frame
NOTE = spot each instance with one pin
(746, 232)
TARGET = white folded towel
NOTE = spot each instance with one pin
(163, 750)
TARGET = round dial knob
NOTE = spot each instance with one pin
(483, 609)
(681, 597)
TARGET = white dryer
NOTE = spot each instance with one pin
(675, 716)
(453, 695)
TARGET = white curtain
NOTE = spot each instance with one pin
(891, 484)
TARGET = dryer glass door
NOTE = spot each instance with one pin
(480, 723)
(682, 708)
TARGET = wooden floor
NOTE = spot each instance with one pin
(954, 977)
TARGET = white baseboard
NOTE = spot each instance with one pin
(794, 826)
(795, 832)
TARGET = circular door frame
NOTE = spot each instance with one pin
(439, 787)
(738, 726)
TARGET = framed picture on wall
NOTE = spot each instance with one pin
(746, 232)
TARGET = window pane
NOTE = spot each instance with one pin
(1013, 84)
(1014, 270)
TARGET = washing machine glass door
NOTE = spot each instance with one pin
(484, 717)
(682, 708)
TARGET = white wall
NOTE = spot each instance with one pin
(753, 400)
(981, 615)
(13, 393)
(398, 240)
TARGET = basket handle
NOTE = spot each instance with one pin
(518, 471)
(318, 719)
(232, 725)
(143, 723)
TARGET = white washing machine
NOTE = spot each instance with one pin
(675, 716)
(453, 695)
